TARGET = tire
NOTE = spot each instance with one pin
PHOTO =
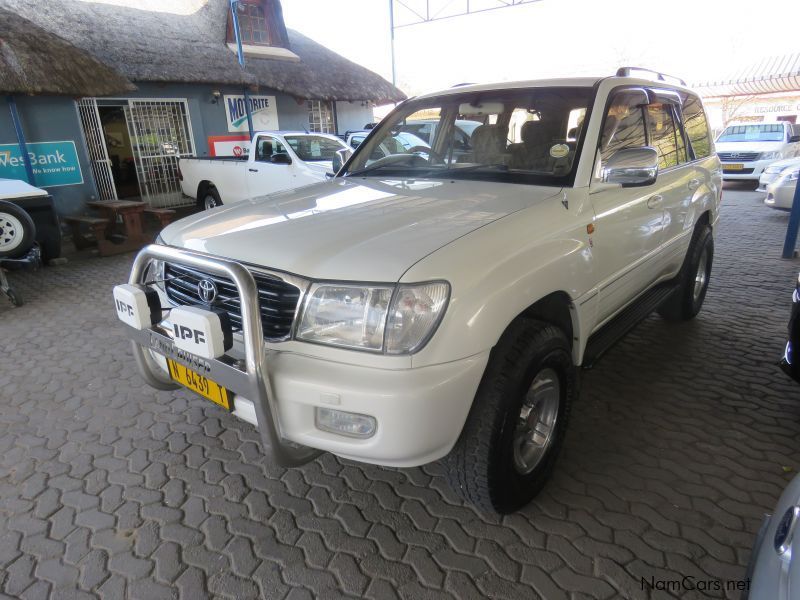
(687, 300)
(17, 231)
(487, 466)
(15, 297)
(209, 200)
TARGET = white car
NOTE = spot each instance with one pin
(281, 160)
(747, 149)
(416, 307)
(773, 172)
(780, 193)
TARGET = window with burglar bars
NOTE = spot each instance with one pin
(320, 117)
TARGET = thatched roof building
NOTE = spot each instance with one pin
(36, 61)
(185, 41)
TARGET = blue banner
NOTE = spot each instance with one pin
(54, 163)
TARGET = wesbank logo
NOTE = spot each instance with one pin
(54, 163)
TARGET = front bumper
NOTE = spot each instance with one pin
(750, 171)
(419, 411)
(780, 198)
(765, 180)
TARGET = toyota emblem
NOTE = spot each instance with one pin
(734, 155)
(207, 290)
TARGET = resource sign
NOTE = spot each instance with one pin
(263, 109)
(54, 163)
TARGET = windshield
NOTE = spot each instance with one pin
(752, 133)
(516, 136)
(312, 148)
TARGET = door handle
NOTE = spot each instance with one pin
(693, 184)
(253, 170)
(655, 201)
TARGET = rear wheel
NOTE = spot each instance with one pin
(687, 300)
(516, 426)
(211, 199)
(17, 231)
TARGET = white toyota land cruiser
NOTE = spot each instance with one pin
(437, 301)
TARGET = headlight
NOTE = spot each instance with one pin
(773, 170)
(394, 319)
(792, 175)
(771, 155)
(349, 316)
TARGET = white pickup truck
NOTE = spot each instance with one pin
(280, 161)
(429, 304)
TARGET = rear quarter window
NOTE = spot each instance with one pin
(696, 126)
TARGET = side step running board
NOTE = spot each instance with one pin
(617, 327)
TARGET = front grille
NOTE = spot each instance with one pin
(737, 171)
(738, 156)
(277, 298)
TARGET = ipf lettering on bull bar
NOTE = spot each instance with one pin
(187, 333)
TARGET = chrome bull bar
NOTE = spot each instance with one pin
(250, 382)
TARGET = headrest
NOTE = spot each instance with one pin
(531, 131)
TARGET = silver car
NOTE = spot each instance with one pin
(780, 193)
(772, 572)
(773, 172)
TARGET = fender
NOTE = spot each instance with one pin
(500, 270)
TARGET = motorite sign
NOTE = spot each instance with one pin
(263, 109)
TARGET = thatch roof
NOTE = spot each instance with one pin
(184, 41)
(36, 61)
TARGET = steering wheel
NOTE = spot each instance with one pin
(426, 150)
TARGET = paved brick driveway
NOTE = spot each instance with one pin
(110, 488)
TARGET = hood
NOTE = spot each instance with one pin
(320, 166)
(786, 162)
(362, 230)
(748, 146)
(16, 188)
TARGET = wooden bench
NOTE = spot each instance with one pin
(95, 225)
(163, 215)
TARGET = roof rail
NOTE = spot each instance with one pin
(626, 72)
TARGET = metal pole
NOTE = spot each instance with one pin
(391, 29)
(23, 147)
(240, 53)
(794, 225)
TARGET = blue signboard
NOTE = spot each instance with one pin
(54, 163)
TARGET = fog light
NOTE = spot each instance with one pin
(345, 423)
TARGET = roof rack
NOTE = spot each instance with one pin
(626, 72)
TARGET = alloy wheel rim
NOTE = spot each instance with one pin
(536, 423)
(11, 232)
(701, 277)
(210, 202)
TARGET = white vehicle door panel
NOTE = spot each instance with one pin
(628, 232)
(265, 177)
(629, 222)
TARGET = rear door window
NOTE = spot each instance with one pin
(696, 126)
(663, 135)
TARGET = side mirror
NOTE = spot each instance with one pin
(631, 167)
(339, 158)
(794, 138)
(281, 158)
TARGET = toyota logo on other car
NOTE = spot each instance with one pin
(207, 290)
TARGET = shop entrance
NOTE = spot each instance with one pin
(120, 151)
(135, 144)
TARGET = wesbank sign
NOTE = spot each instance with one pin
(54, 163)
(263, 109)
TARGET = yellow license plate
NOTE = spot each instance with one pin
(200, 384)
(732, 167)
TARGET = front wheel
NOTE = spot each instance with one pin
(687, 300)
(516, 426)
